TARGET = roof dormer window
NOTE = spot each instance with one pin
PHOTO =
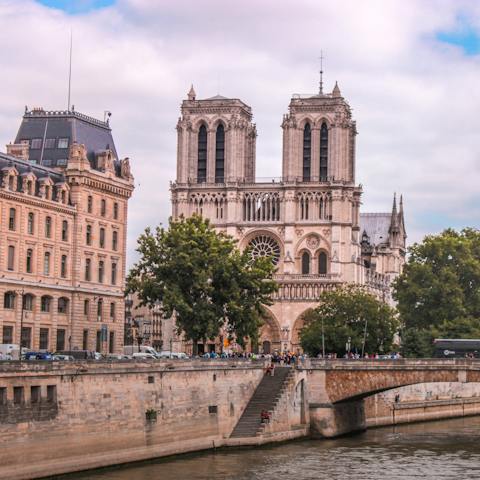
(63, 143)
(36, 143)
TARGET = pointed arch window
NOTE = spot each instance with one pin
(305, 263)
(323, 152)
(202, 155)
(220, 154)
(322, 263)
(307, 152)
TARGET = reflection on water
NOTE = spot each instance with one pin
(437, 450)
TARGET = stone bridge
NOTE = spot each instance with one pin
(337, 388)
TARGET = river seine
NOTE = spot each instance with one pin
(448, 449)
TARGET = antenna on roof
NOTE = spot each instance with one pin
(320, 90)
(70, 70)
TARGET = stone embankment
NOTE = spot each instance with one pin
(65, 417)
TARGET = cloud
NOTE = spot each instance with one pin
(414, 95)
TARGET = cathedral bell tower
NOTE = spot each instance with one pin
(216, 141)
(319, 139)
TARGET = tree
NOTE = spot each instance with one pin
(438, 293)
(202, 276)
(342, 315)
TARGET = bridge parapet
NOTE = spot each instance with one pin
(391, 364)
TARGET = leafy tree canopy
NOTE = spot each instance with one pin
(438, 293)
(202, 277)
(341, 315)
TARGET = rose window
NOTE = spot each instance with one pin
(265, 246)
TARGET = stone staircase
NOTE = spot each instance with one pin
(265, 397)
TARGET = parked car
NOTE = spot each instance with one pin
(168, 354)
(78, 354)
(117, 356)
(59, 357)
(37, 356)
(143, 356)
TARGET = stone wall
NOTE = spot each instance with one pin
(422, 402)
(88, 415)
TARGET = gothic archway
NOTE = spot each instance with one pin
(300, 323)
(269, 337)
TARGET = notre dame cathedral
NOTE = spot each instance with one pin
(308, 220)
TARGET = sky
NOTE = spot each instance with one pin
(410, 71)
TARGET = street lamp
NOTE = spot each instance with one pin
(364, 337)
(21, 320)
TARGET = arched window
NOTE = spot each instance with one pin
(307, 152)
(115, 211)
(64, 196)
(45, 304)
(202, 155)
(63, 266)
(30, 223)
(63, 305)
(88, 235)
(112, 310)
(9, 300)
(323, 152)
(102, 238)
(48, 227)
(322, 263)
(28, 302)
(46, 263)
(86, 307)
(103, 207)
(220, 155)
(305, 263)
(101, 271)
(88, 269)
(30, 187)
(64, 230)
(89, 204)
(11, 219)
(114, 240)
(29, 261)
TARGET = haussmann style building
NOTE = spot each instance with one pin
(308, 220)
(63, 218)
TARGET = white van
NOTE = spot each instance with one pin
(131, 349)
(9, 351)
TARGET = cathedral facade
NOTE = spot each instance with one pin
(308, 221)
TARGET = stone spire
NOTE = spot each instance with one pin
(336, 91)
(191, 94)
(394, 227)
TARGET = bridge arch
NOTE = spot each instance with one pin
(347, 381)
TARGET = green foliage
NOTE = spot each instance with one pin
(344, 312)
(203, 278)
(438, 293)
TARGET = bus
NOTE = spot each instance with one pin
(456, 348)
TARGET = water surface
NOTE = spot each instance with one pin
(448, 449)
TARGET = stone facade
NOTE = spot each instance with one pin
(63, 242)
(308, 220)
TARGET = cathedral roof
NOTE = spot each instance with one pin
(376, 226)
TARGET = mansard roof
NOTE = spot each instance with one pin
(55, 131)
(376, 226)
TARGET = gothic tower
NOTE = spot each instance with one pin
(216, 141)
(319, 139)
